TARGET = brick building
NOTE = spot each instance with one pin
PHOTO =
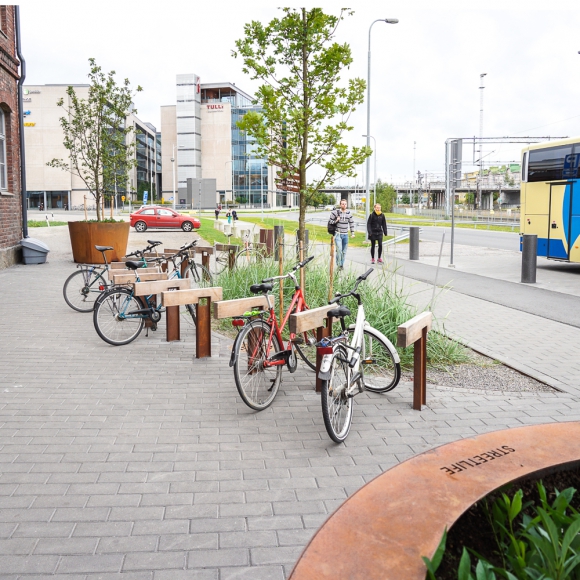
(10, 184)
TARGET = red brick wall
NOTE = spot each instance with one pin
(10, 200)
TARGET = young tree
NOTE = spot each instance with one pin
(386, 195)
(96, 136)
(305, 108)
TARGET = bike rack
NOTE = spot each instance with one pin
(172, 313)
(414, 332)
(130, 278)
(239, 306)
(315, 319)
(232, 249)
(203, 325)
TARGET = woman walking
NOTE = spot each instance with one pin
(376, 227)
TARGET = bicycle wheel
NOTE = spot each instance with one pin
(336, 406)
(307, 350)
(116, 318)
(249, 257)
(81, 289)
(198, 275)
(380, 371)
(191, 310)
(220, 262)
(256, 384)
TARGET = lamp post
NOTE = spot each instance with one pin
(173, 173)
(388, 21)
(375, 170)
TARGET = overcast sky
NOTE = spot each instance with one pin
(424, 71)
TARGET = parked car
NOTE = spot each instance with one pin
(152, 216)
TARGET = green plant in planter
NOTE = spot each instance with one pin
(101, 148)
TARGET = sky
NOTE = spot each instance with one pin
(425, 70)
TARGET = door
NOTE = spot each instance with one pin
(560, 221)
(166, 218)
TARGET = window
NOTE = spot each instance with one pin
(3, 176)
(547, 164)
(165, 212)
(148, 212)
(525, 167)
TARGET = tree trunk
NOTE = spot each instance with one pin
(304, 154)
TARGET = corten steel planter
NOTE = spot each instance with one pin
(84, 236)
(381, 532)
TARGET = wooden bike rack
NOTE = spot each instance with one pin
(415, 332)
(203, 325)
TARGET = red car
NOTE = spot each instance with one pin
(152, 216)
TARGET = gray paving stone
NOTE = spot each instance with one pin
(96, 563)
(154, 561)
(218, 558)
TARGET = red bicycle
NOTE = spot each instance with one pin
(259, 353)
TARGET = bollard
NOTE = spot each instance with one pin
(413, 243)
(529, 258)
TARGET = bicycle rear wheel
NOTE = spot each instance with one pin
(220, 262)
(256, 384)
(336, 406)
(81, 289)
(380, 371)
(116, 317)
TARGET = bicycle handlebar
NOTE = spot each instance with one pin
(362, 277)
(303, 263)
(290, 274)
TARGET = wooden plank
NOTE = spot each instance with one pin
(179, 297)
(119, 272)
(226, 248)
(158, 286)
(309, 319)
(130, 278)
(203, 330)
(207, 250)
(229, 308)
(412, 330)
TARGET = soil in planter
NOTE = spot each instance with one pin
(474, 531)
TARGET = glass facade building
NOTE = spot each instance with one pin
(188, 124)
(146, 155)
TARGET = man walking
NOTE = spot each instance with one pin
(376, 227)
(344, 220)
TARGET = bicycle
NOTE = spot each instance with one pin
(368, 362)
(259, 353)
(119, 315)
(83, 287)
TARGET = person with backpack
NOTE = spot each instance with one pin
(342, 221)
(376, 227)
(234, 215)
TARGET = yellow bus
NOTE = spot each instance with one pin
(550, 198)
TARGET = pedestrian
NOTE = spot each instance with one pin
(217, 213)
(235, 214)
(229, 216)
(344, 220)
(376, 227)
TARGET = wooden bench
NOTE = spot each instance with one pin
(203, 322)
(382, 531)
(415, 332)
(314, 319)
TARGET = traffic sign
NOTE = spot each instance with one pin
(122, 198)
(145, 196)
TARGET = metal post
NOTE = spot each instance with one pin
(529, 258)
(173, 171)
(413, 243)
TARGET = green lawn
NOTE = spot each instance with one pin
(43, 224)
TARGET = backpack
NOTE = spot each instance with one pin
(332, 225)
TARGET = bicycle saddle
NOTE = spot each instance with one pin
(154, 243)
(134, 265)
(103, 248)
(338, 312)
(258, 288)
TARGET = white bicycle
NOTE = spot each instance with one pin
(369, 361)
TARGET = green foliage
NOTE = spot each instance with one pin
(385, 302)
(96, 137)
(305, 104)
(542, 546)
(386, 196)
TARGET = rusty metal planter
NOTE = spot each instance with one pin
(85, 235)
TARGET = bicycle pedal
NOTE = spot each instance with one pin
(368, 361)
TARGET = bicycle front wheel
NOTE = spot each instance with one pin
(307, 349)
(380, 371)
(336, 405)
(220, 262)
(249, 257)
(198, 275)
(117, 318)
(81, 289)
(256, 383)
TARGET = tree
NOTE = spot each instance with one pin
(305, 108)
(96, 135)
(386, 196)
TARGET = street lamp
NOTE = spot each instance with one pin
(388, 21)
(375, 176)
(173, 172)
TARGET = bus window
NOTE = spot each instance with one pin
(547, 164)
(525, 167)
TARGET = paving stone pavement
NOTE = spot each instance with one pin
(140, 462)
